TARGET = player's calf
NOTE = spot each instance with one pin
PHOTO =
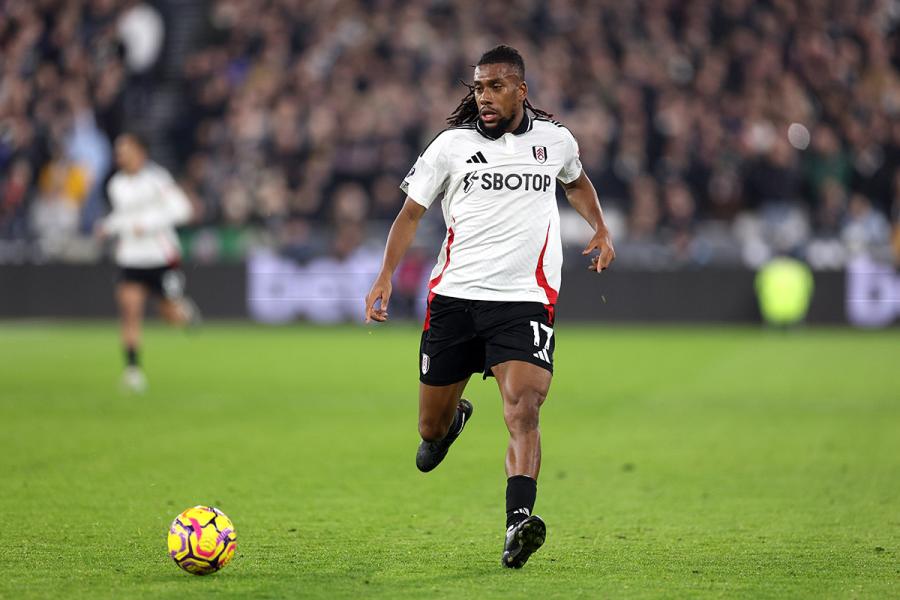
(432, 429)
(192, 316)
(432, 452)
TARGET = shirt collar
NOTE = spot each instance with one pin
(524, 127)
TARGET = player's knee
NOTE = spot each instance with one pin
(174, 313)
(131, 314)
(524, 396)
(523, 408)
(432, 430)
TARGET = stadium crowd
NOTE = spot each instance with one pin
(65, 71)
(713, 130)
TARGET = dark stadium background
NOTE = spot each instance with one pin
(719, 135)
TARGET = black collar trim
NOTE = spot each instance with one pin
(525, 125)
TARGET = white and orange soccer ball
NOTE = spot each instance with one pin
(202, 540)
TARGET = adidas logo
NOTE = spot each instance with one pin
(543, 355)
(477, 158)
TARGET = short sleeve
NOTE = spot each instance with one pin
(117, 221)
(112, 191)
(428, 176)
(162, 176)
(571, 169)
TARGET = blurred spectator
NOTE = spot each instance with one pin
(140, 28)
(679, 218)
(350, 205)
(831, 206)
(645, 210)
(864, 227)
(775, 178)
(12, 196)
(60, 101)
(827, 160)
(63, 186)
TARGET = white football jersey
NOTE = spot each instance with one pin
(499, 204)
(147, 206)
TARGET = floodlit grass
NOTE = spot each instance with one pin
(677, 462)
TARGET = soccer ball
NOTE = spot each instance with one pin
(202, 540)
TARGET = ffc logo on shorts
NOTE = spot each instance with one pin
(540, 153)
(426, 362)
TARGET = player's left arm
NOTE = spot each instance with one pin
(173, 207)
(583, 198)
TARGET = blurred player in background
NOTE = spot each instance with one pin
(147, 205)
(493, 292)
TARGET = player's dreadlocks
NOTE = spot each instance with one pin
(467, 111)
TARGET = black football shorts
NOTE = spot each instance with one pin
(165, 282)
(463, 337)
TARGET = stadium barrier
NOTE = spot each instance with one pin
(86, 291)
(866, 295)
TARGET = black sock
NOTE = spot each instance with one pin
(521, 492)
(131, 356)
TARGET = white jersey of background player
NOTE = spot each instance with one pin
(147, 206)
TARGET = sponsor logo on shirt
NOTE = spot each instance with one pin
(528, 182)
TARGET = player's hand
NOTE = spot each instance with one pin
(381, 291)
(602, 242)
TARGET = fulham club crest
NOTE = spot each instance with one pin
(426, 363)
(540, 153)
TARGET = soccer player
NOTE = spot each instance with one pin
(492, 294)
(147, 205)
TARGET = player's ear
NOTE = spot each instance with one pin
(523, 90)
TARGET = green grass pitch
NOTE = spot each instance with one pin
(701, 462)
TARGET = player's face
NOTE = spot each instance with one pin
(129, 154)
(499, 94)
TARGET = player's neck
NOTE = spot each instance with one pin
(516, 122)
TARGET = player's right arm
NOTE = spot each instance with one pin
(116, 221)
(402, 234)
(422, 185)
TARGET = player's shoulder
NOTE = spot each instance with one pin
(156, 171)
(552, 127)
(447, 138)
(547, 122)
(118, 179)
